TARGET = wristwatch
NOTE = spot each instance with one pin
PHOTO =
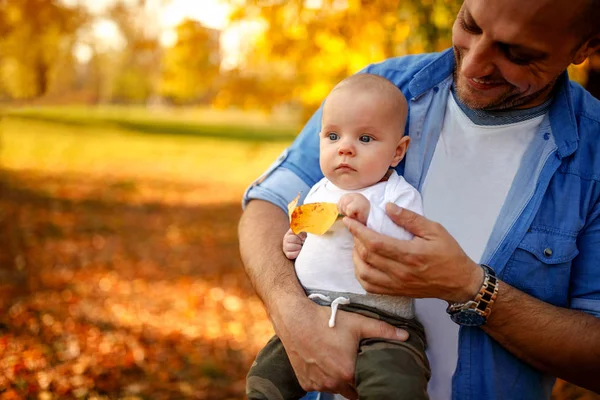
(475, 312)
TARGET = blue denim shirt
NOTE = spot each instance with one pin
(546, 240)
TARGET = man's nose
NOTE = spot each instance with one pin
(479, 59)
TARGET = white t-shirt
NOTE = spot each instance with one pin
(325, 261)
(469, 177)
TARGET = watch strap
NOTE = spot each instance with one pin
(480, 307)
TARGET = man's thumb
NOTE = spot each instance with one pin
(415, 223)
(380, 329)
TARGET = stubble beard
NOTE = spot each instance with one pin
(508, 100)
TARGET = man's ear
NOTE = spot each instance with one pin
(400, 150)
(588, 48)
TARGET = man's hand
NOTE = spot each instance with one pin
(292, 244)
(355, 206)
(432, 264)
(324, 358)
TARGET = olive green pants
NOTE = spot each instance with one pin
(385, 369)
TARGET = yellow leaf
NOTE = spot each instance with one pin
(292, 205)
(314, 218)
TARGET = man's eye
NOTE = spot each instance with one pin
(365, 138)
(333, 136)
(468, 28)
(519, 57)
(518, 60)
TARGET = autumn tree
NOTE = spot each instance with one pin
(138, 63)
(191, 66)
(308, 46)
(36, 42)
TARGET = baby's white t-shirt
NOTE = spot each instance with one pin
(325, 262)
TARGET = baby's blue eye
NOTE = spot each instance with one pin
(333, 136)
(365, 138)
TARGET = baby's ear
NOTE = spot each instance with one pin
(400, 150)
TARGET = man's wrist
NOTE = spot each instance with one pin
(475, 312)
(470, 290)
(288, 304)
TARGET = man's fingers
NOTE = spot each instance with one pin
(375, 243)
(414, 223)
(364, 234)
(372, 279)
(378, 329)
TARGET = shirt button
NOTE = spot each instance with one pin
(548, 252)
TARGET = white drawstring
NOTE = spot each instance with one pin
(334, 305)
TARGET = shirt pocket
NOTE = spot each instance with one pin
(541, 265)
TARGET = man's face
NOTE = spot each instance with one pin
(509, 53)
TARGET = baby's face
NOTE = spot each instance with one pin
(359, 138)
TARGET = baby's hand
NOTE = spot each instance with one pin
(292, 244)
(355, 206)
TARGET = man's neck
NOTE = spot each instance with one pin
(504, 117)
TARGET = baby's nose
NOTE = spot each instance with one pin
(346, 149)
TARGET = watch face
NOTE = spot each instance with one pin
(468, 318)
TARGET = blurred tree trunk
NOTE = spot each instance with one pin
(36, 37)
(41, 73)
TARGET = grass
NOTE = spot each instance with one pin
(232, 125)
(97, 148)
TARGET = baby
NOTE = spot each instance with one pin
(361, 141)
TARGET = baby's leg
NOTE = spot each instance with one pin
(390, 369)
(271, 376)
(387, 369)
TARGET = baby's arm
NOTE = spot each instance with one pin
(292, 244)
(355, 206)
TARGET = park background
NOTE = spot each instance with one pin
(129, 130)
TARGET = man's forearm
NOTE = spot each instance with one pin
(261, 232)
(559, 341)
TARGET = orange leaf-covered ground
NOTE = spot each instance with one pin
(112, 294)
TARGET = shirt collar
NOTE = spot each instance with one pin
(432, 74)
(562, 118)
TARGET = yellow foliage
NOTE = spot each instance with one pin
(191, 65)
(315, 92)
(579, 73)
(315, 218)
(401, 33)
(330, 43)
(292, 205)
(14, 15)
(298, 32)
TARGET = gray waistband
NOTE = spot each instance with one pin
(400, 306)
